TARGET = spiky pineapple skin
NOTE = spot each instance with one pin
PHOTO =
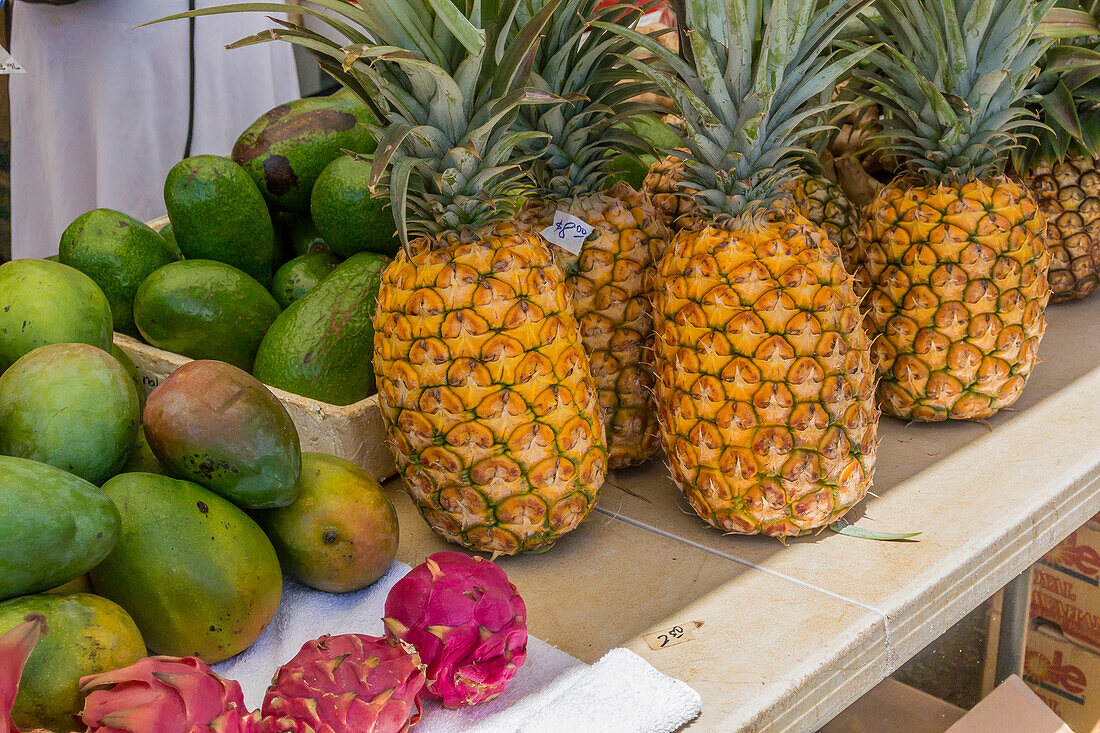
(764, 381)
(825, 204)
(958, 288)
(662, 186)
(611, 282)
(1069, 196)
(487, 393)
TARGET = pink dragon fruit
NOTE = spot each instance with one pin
(165, 695)
(346, 684)
(15, 649)
(466, 620)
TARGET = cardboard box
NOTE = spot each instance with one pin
(894, 707)
(1011, 708)
(1065, 585)
(1065, 675)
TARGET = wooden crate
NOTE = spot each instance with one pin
(354, 432)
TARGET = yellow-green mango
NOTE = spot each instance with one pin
(87, 634)
(340, 534)
(197, 575)
(55, 526)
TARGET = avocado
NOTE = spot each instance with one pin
(301, 275)
(205, 310)
(321, 346)
(118, 252)
(349, 219)
(169, 238)
(286, 148)
(218, 214)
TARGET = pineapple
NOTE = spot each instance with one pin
(483, 382)
(953, 250)
(824, 203)
(612, 276)
(765, 386)
(662, 185)
(816, 197)
(1061, 165)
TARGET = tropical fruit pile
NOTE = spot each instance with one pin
(236, 274)
(467, 639)
(161, 527)
(552, 314)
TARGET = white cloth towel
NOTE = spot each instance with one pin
(552, 692)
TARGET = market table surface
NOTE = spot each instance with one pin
(781, 638)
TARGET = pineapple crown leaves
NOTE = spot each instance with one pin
(446, 80)
(951, 77)
(749, 88)
(581, 63)
(1067, 88)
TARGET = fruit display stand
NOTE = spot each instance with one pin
(781, 638)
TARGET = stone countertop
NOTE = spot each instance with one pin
(785, 637)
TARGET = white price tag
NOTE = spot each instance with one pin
(671, 637)
(567, 231)
(8, 65)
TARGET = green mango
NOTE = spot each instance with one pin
(340, 534)
(217, 214)
(287, 148)
(87, 635)
(216, 425)
(196, 574)
(349, 219)
(142, 458)
(321, 346)
(72, 406)
(56, 527)
(118, 252)
(301, 275)
(205, 310)
(43, 302)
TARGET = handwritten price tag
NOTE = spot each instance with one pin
(567, 231)
(671, 637)
(8, 65)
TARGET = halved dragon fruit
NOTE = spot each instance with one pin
(466, 620)
(165, 695)
(346, 684)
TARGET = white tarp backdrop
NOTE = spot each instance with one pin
(100, 115)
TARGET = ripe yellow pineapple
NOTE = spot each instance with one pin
(483, 383)
(764, 380)
(953, 251)
(1060, 162)
(816, 197)
(1069, 196)
(662, 187)
(611, 277)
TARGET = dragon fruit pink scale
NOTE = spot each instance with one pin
(16, 646)
(466, 620)
(344, 684)
(167, 695)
